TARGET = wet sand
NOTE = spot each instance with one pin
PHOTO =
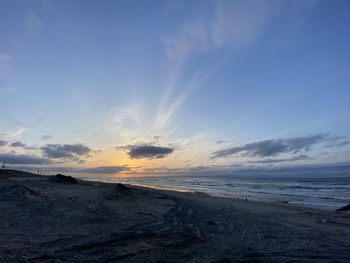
(43, 220)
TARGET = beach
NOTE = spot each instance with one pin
(325, 193)
(55, 219)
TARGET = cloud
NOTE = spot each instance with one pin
(22, 159)
(337, 141)
(46, 137)
(16, 134)
(3, 143)
(293, 159)
(317, 170)
(9, 90)
(192, 37)
(200, 170)
(123, 118)
(157, 137)
(219, 24)
(32, 22)
(146, 151)
(18, 144)
(233, 23)
(274, 147)
(71, 169)
(5, 62)
(104, 169)
(57, 151)
(237, 22)
(343, 143)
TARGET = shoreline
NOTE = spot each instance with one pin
(291, 199)
(51, 219)
(169, 190)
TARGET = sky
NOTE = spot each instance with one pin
(174, 87)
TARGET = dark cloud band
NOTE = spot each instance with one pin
(57, 151)
(3, 143)
(104, 169)
(274, 147)
(300, 157)
(147, 151)
(18, 144)
(23, 159)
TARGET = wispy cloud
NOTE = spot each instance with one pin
(193, 37)
(46, 137)
(232, 23)
(10, 138)
(32, 22)
(123, 118)
(342, 143)
(164, 115)
(217, 25)
(6, 62)
(238, 22)
(18, 133)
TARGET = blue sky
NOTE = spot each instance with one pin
(163, 86)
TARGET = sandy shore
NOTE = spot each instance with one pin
(43, 220)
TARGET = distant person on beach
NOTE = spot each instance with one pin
(2, 167)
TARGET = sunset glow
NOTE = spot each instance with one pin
(184, 86)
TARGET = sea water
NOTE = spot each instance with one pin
(321, 193)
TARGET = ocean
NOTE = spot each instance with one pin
(322, 193)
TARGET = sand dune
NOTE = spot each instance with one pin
(46, 220)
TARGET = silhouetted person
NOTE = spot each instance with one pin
(2, 168)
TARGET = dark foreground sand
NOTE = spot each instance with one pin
(46, 221)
